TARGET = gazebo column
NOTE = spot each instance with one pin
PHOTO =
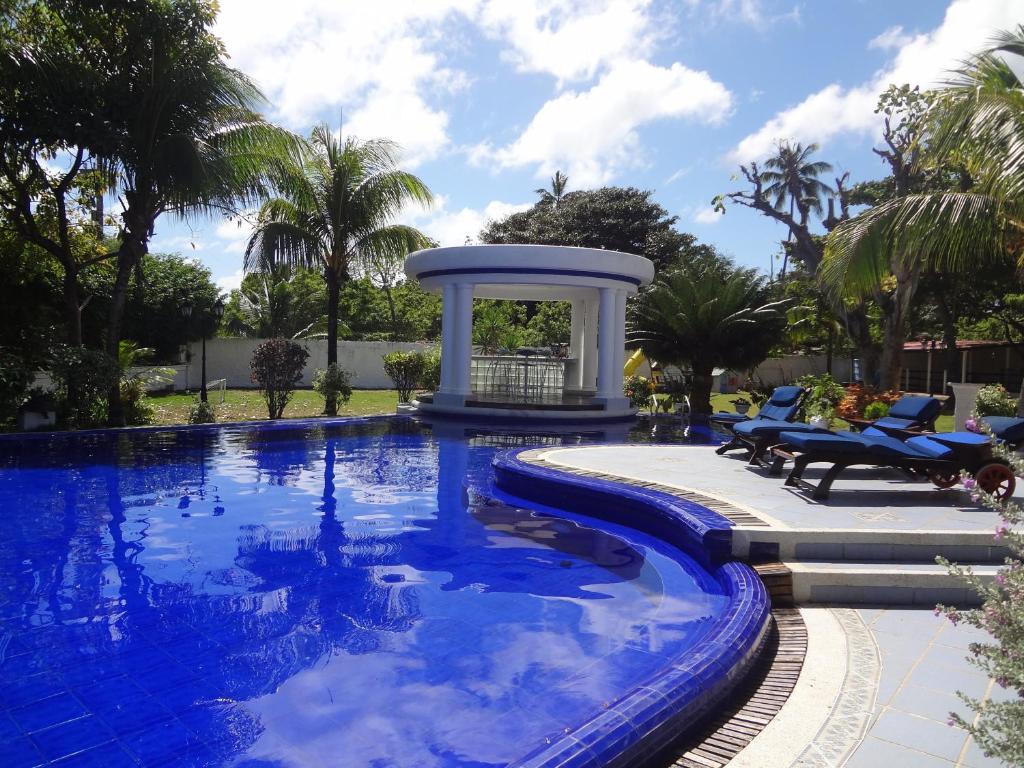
(447, 339)
(606, 337)
(574, 381)
(464, 337)
(620, 339)
(456, 343)
(589, 382)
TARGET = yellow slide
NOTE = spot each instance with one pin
(634, 362)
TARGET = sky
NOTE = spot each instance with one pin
(488, 98)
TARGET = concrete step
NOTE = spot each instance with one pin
(866, 545)
(882, 583)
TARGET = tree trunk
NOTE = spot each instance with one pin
(700, 392)
(128, 256)
(893, 337)
(72, 308)
(894, 327)
(333, 292)
(391, 309)
(951, 358)
(830, 345)
(857, 326)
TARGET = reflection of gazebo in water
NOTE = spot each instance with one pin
(585, 385)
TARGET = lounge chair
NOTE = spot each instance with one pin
(1007, 429)
(940, 457)
(782, 406)
(911, 413)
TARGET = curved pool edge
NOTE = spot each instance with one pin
(265, 425)
(650, 717)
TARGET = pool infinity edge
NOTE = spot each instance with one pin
(653, 715)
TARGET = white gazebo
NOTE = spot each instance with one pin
(585, 384)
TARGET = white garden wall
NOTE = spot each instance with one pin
(229, 359)
(784, 370)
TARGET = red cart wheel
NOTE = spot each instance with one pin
(997, 479)
(944, 479)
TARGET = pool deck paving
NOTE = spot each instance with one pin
(879, 681)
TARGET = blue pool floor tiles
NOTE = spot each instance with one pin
(316, 596)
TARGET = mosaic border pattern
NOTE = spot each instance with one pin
(853, 712)
(640, 726)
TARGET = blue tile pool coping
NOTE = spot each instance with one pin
(649, 718)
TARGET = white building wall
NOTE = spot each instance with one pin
(229, 359)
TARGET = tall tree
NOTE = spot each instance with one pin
(552, 197)
(617, 218)
(958, 191)
(50, 70)
(790, 175)
(808, 248)
(188, 135)
(707, 318)
(335, 214)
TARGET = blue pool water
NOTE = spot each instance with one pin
(348, 596)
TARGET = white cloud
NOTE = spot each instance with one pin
(751, 12)
(569, 39)
(707, 216)
(449, 227)
(923, 59)
(229, 283)
(232, 236)
(592, 134)
(314, 58)
(893, 37)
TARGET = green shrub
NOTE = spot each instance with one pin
(998, 727)
(82, 378)
(201, 413)
(276, 367)
(824, 394)
(15, 380)
(639, 390)
(876, 410)
(994, 400)
(406, 370)
(431, 379)
(134, 402)
(333, 381)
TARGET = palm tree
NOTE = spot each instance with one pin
(271, 304)
(335, 215)
(977, 126)
(185, 134)
(711, 317)
(792, 176)
(554, 195)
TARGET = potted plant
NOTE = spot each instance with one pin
(742, 405)
(820, 414)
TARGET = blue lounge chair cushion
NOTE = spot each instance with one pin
(931, 448)
(884, 447)
(762, 427)
(959, 439)
(1008, 428)
(782, 405)
(889, 421)
(919, 409)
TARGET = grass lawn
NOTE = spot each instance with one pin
(247, 405)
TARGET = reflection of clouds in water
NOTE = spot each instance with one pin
(397, 704)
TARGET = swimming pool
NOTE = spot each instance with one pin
(302, 595)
